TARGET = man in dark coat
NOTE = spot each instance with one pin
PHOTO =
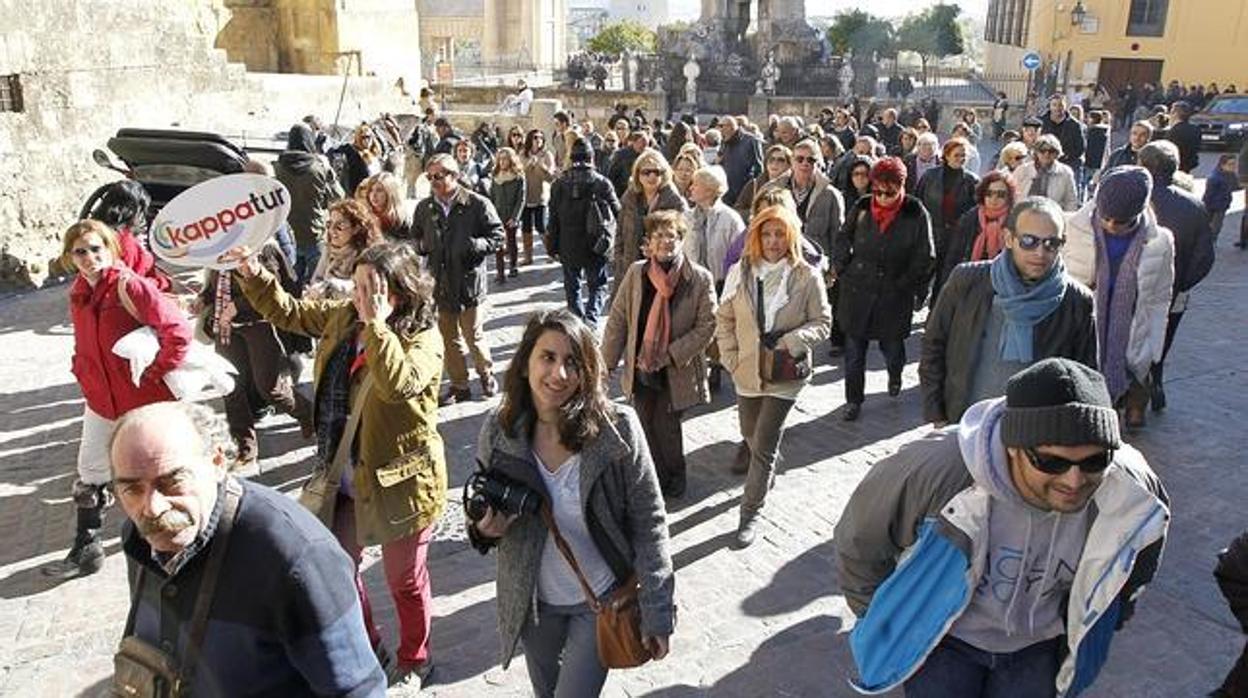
(1188, 221)
(1068, 131)
(448, 137)
(457, 230)
(569, 237)
(1185, 135)
(964, 359)
(621, 170)
(313, 187)
(741, 156)
(282, 614)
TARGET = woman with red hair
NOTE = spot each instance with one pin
(351, 229)
(774, 309)
(882, 258)
(979, 233)
(946, 192)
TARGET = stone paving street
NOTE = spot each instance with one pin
(768, 621)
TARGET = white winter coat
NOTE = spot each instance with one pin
(1061, 183)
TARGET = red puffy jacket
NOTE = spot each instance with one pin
(100, 320)
(135, 256)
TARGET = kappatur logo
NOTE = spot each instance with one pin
(176, 241)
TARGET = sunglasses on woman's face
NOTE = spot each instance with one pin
(804, 159)
(1056, 465)
(1027, 241)
(650, 173)
(997, 194)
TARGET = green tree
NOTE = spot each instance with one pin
(862, 33)
(932, 33)
(625, 35)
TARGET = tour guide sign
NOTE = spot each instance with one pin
(207, 220)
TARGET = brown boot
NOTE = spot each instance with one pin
(528, 247)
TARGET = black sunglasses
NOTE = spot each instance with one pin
(1055, 465)
(1027, 241)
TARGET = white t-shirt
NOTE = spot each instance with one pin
(556, 582)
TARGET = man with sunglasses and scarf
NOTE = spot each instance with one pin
(999, 556)
(1004, 314)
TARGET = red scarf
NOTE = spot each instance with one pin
(884, 215)
(658, 330)
(990, 239)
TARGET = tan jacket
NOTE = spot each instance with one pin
(693, 327)
(398, 440)
(806, 320)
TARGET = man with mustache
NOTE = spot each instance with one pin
(240, 589)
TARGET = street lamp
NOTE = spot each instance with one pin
(1077, 14)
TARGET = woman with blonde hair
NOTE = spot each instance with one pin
(773, 311)
(108, 301)
(383, 194)
(508, 197)
(539, 169)
(683, 167)
(650, 189)
(350, 230)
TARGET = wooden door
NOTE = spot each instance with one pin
(1116, 73)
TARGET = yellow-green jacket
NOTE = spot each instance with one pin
(398, 441)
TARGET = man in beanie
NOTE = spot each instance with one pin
(1001, 554)
(1001, 315)
(581, 241)
(1115, 246)
(1188, 221)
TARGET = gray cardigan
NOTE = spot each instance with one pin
(955, 328)
(623, 509)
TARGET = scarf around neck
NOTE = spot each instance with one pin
(990, 239)
(1024, 306)
(658, 332)
(1114, 313)
(885, 215)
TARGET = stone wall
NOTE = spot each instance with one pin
(90, 67)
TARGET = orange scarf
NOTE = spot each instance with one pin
(658, 330)
(990, 239)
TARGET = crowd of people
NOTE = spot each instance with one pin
(1054, 281)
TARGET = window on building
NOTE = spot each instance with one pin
(11, 93)
(1147, 18)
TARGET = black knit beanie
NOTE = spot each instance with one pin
(1059, 402)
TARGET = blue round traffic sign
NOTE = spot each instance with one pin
(1031, 60)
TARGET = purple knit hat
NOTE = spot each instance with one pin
(1123, 193)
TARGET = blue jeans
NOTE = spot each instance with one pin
(957, 670)
(306, 259)
(596, 279)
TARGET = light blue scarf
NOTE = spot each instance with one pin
(1024, 306)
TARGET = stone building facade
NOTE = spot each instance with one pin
(494, 35)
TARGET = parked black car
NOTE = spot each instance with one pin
(1223, 122)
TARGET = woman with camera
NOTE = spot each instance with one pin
(662, 320)
(380, 355)
(557, 434)
(774, 308)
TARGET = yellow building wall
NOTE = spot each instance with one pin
(1205, 40)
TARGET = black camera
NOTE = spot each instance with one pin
(487, 488)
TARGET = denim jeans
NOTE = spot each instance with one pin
(561, 652)
(596, 281)
(957, 670)
(306, 259)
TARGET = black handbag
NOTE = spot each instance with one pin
(602, 222)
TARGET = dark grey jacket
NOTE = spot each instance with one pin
(955, 328)
(457, 245)
(742, 160)
(568, 231)
(623, 510)
(508, 198)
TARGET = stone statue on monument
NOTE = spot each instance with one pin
(845, 77)
(770, 74)
(692, 71)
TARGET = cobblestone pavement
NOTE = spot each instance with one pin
(768, 621)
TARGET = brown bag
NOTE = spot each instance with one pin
(141, 670)
(618, 615)
(776, 364)
(320, 493)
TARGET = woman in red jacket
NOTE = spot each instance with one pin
(123, 207)
(107, 301)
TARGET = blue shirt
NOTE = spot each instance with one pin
(1116, 247)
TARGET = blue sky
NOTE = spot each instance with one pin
(689, 9)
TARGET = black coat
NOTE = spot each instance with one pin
(955, 330)
(931, 190)
(1186, 136)
(457, 245)
(1121, 157)
(742, 159)
(879, 274)
(1188, 221)
(1070, 134)
(620, 171)
(568, 231)
(961, 242)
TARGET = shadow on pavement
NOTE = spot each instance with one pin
(805, 578)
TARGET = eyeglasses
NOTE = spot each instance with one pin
(1027, 241)
(90, 249)
(650, 172)
(804, 158)
(439, 176)
(1056, 465)
(341, 225)
(778, 159)
(997, 194)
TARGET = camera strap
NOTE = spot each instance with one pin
(564, 550)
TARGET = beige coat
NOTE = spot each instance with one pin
(693, 328)
(806, 320)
